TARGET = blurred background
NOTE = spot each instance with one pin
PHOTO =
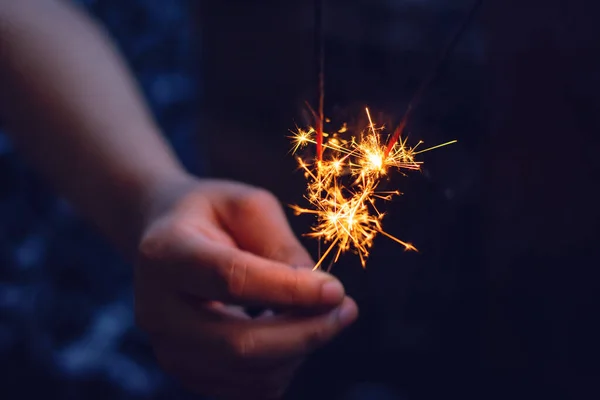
(483, 311)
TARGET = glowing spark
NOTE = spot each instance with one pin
(301, 138)
(342, 186)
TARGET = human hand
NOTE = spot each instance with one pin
(210, 247)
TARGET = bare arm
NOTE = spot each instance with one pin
(74, 111)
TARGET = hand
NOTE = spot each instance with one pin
(209, 248)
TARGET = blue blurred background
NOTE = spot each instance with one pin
(226, 80)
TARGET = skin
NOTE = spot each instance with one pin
(203, 249)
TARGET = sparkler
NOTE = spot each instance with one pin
(343, 187)
(344, 180)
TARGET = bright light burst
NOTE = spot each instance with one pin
(343, 186)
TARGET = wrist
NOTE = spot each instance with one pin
(158, 195)
(138, 198)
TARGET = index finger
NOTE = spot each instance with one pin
(216, 271)
(245, 278)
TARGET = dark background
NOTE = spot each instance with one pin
(420, 313)
(501, 300)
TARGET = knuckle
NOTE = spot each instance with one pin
(155, 243)
(294, 287)
(291, 290)
(235, 277)
(175, 229)
(258, 200)
(151, 248)
(285, 251)
(152, 244)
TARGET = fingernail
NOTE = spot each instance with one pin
(332, 292)
(347, 314)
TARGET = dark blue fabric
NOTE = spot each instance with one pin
(66, 322)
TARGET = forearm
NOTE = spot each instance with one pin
(75, 113)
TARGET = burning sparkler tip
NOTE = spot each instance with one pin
(343, 182)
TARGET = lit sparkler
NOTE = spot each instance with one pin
(343, 186)
(343, 181)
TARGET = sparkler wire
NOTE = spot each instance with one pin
(320, 59)
(433, 72)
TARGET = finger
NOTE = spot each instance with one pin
(225, 338)
(257, 222)
(184, 259)
(245, 278)
(290, 336)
